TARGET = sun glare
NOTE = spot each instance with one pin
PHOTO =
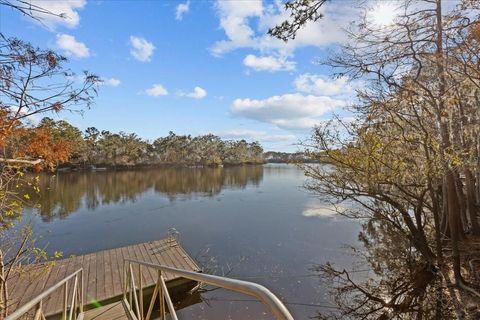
(383, 13)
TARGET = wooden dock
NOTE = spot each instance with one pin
(103, 274)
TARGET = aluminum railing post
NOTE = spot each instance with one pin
(65, 301)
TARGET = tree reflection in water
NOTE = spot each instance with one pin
(63, 193)
(391, 280)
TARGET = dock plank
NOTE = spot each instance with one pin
(157, 249)
(100, 280)
(103, 273)
(70, 267)
(167, 248)
(113, 273)
(121, 266)
(150, 274)
(91, 279)
(114, 311)
(50, 280)
(34, 283)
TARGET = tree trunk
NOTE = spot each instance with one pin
(436, 219)
(462, 209)
(444, 210)
(471, 201)
(454, 224)
(419, 239)
(3, 289)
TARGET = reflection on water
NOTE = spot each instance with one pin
(247, 222)
(392, 282)
(65, 193)
(314, 209)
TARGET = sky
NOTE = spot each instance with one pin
(197, 67)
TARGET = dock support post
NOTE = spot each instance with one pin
(161, 297)
(65, 301)
(140, 290)
(81, 291)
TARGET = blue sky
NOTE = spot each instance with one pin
(195, 67)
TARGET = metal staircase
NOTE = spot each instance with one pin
(132, 304)
(72, 308)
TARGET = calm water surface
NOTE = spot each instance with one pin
(254, 222)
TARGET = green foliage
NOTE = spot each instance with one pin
(102, 148)
(16, 191)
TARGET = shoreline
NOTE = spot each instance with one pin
(103, 168)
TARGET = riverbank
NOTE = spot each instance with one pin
(285, 158)
(109, 167)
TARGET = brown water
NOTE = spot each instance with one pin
(254, 223)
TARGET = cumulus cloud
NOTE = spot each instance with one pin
(234, 17)
(321, 85)
(142, 50)
(181, 9)
(268, 63)
(245, 24)
(297, 124)
(72, 47)
(197, 93)
(64, 13)
(289, 111)
(157, 90)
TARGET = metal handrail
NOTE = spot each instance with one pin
(264, 295)
(38, 299)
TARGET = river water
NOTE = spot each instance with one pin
(255, 223)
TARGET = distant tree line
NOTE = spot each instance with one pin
(104, 148)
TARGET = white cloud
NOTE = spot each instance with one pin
(321, 85)
(112, 82)
(181, 9)
(297, 124)
(289, 111)
(68, 9)
(246, 23)
(142, 50)
(268, 63)
(234, 17)
(197, 93)
(320, 211)
(72, 47)
(314, 208)
(157, 90)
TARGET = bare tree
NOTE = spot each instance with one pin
(29, 9)
(32, 82)
(411, 159)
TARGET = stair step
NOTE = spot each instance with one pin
(113, 311)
